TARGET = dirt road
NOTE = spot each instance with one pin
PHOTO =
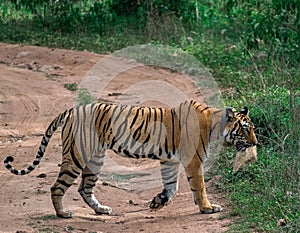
(32, 93)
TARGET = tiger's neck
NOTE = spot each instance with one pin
(218, 119)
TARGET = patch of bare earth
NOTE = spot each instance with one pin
(31, 95)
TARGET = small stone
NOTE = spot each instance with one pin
(45, 68)
(104, 183)
(132, 203)
(22, 54)
(69, 228)
(42, 175)
(281, 222)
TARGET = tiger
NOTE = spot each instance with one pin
(172, 135)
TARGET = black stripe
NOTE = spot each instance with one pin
(124, 125)
(45, 141)
(118, 133)
(16, 172)
(64, 183)
(172, 182)
(113, 142)
(204, 109)
(173, 130)
(112, 115)
(147, 139)
(74, 158)
(160, 128)
(203, 145)
(232, 135)
(134, 118)
(69, 173)
(40, 153)
(64, 128)
(166, 146)
(36, 162)
(199, 156)
(93, 180)
(154, 121)
(198, 106)
(99, 112)
(146, 123)
(126, 152)
(104, 113)
(159, 151)
(149, 114)
(87, 175)
(127, 140)
(30, 168)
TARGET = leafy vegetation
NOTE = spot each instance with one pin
(71, 86)
(84, 97)
(252, 50)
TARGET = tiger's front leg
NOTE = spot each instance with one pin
(195, 176)
(169, 173)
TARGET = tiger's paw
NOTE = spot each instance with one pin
(64, 214)
(213, 209)
(159, 201)
(102, 209)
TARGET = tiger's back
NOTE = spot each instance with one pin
(134, 131)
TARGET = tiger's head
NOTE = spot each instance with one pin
(239, 130)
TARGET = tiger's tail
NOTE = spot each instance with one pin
(57, 122)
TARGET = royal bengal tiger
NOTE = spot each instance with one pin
(179, 135)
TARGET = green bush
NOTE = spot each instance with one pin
(269, 190)
(84, 97)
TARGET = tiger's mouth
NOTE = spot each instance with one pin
(242, 145)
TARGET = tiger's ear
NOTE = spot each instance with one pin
(245, 111)
(229, 114)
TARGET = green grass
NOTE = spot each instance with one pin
(71, 86)
(44, 218)
(269, 190)
(266, 193)
(84, 97)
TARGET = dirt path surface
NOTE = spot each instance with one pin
(32, 93)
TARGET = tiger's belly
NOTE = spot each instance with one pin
(144, 151)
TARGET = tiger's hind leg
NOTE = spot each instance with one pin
(195, 176)
(89, 179)
(68, 173)
(169, 173)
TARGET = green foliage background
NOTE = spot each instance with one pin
(252, 50)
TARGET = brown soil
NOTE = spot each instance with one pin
(31, 95)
